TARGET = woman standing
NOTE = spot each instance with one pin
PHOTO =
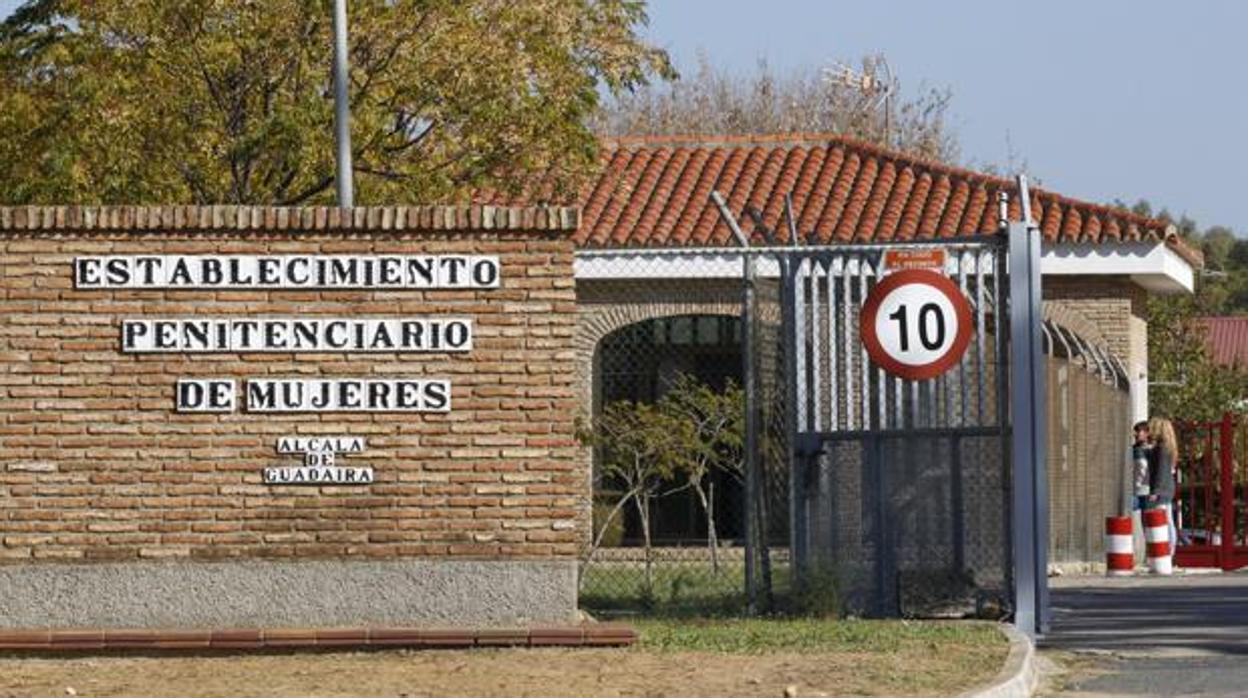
(1162, 460)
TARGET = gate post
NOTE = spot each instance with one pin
(1226, 498)
(754, 543)
(1029, 508)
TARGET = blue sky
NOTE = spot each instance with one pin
(1102, 99)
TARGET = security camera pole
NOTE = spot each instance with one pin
(342, 109)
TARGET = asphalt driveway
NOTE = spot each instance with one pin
(1180, 635)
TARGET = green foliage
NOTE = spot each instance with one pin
(819, 593)
(802, 635)
(640, 449)
(716, 420)
(680, 588)
(640, 445)
(1185, 382)
(650, 450)
(194, 101)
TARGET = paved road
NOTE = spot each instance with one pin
(1167, 636)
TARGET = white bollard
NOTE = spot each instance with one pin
(1119, 546)
(1157, 541)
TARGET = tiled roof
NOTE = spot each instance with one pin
(653, 192)
(1227, 339)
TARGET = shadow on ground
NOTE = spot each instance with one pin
(1187, 615)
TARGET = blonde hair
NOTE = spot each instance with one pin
(1162, 432)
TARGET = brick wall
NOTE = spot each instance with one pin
(96, 465)
(1116, 307)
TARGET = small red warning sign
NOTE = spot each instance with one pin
(922, 258)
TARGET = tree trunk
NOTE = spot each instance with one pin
(596, 540)
(708, 506)
(643, 510)
(606, 524)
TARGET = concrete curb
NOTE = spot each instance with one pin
(1019, 677)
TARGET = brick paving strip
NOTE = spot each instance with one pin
(54, 641)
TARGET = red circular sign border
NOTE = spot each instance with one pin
(871, 308)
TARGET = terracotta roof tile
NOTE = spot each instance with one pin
(815, 198)
(885, 184)
(929, 223)
(914, 207)
(654, 192)
(772, 207)
(890, 217)
(1093, 228)
(838, 199)
(1072, 225)
(952, 218)
(1112, 229)
(859, 194)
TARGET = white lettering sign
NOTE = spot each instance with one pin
(320, 462)
(216, 395)
(347, 395)
(287, 272)
(316, 395)
(309, 335)
(298, 475)
(306, 444)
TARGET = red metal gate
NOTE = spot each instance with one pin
(1210, 510)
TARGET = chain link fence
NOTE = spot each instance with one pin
(667, 437)
(900, 488)
(691, 532)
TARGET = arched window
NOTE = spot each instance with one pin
(639, 362)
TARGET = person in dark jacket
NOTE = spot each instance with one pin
(1139, 465)
(1162, 464)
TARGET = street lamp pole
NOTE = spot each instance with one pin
(342, 108)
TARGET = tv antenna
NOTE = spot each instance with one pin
(875, 82)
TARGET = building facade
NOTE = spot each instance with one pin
(652, 250)
(223, 416)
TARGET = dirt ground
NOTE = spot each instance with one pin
(927, 671)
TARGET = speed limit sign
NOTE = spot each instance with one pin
(916, 324)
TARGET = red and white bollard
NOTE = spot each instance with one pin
(1119, 551)
(1157, 540)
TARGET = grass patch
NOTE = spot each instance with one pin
(833, 657)
(680, 589)
(806, 635)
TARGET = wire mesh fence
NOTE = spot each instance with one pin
(900, 488)
(667, 432)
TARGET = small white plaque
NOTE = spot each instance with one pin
(303, 475)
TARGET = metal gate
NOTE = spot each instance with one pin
(1211, 509)
(909, 497)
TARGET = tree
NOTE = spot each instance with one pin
(716, 102)
(1216, 244)
(215, 101)
(640, 449)
(1188, 385)
(716, 422)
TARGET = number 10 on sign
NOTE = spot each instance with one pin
(916, 324)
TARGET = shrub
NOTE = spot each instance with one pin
(818, 594)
